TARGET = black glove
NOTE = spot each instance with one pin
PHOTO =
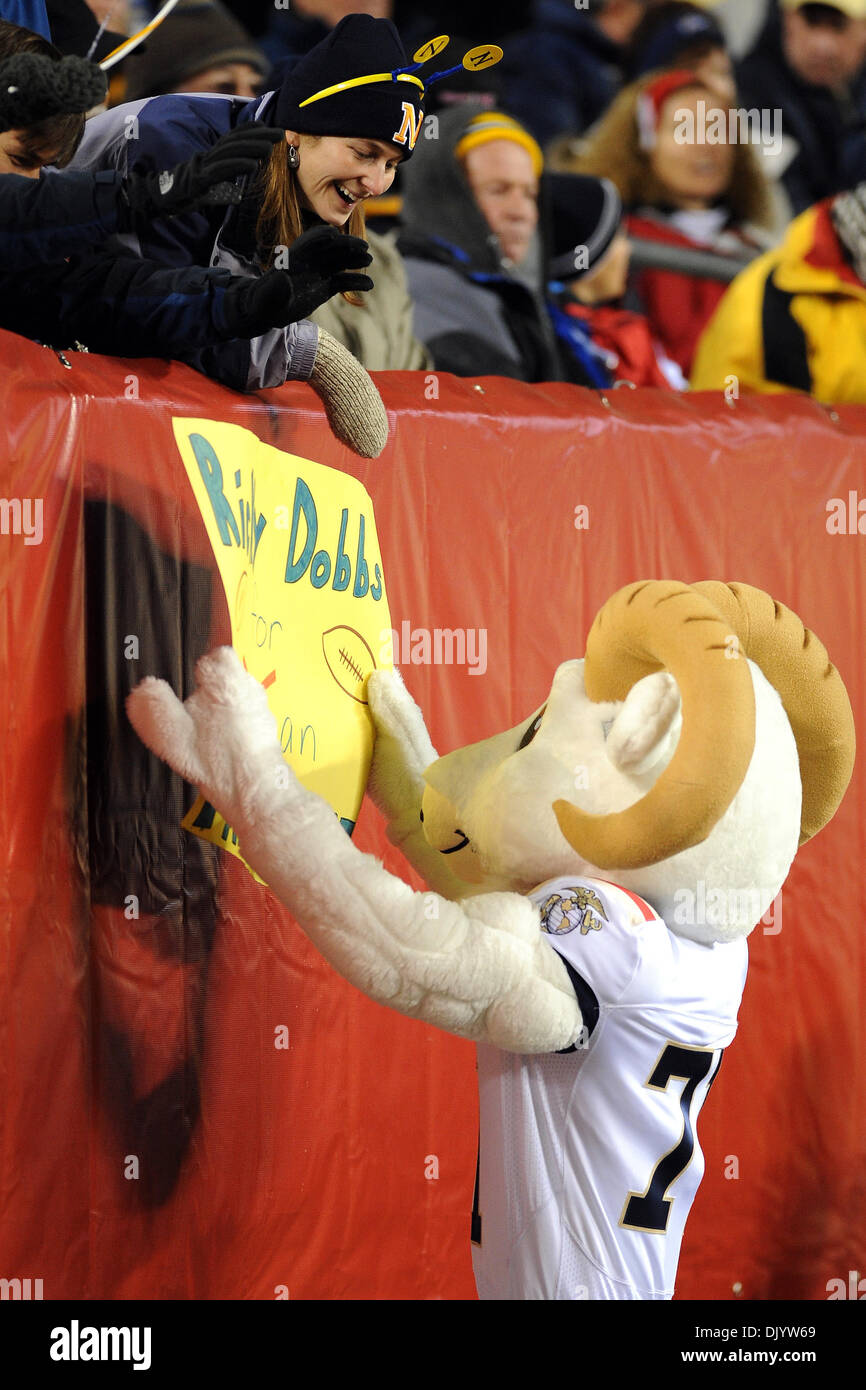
(34, 86)
(202, 181)
(278, 298)
(327, 249)
(319, 266)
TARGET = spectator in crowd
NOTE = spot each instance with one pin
(680, 187)
(808, 63)
(562, 73)
(377, 329)
(677, 34)
(470, 217)
(49, 131)
(52, 228)
(199, 47)
(796, 318)
(343, 141)
(589, 272)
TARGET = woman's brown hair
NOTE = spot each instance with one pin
(612, 150)
(57, 137)
(280, 220)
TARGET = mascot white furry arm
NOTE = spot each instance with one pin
(609, 857)
(482, 970)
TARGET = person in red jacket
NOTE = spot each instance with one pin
(684, 185)
(589, 269)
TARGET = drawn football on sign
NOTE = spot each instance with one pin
(349, 660)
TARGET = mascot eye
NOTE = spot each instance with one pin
(531, 731)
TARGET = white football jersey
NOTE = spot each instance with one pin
(589, 1159)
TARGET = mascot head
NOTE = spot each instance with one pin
(702, 739)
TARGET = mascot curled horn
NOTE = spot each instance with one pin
(596, 872)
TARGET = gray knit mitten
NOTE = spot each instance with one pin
(352, 403)
(848, 211)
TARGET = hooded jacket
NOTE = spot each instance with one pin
(475, 315)
(825, 131)
(156, 133)
(793, 320)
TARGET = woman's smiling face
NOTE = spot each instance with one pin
(694, 170)
(336, 172)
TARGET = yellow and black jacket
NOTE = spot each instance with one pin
(793, 320)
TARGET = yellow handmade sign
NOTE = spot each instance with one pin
(296, 547)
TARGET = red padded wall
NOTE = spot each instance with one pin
(306, 1170)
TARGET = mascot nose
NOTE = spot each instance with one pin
(439, 818)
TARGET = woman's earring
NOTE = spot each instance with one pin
(294, 158)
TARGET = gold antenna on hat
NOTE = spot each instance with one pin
(485, 55)
(428, 50)
(421, 56)
(482, 56)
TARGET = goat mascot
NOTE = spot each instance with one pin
(596, 951)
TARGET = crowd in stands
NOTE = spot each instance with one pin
(654, 192)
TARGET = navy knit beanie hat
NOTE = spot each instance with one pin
(586, 214)
(359, 46)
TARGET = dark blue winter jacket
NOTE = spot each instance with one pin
(157, 133)
(60, 283)
(48, 219)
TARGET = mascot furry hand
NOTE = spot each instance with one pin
(597, 870)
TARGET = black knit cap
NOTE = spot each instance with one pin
(586, 214)
(357, 47)
(34, 87)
